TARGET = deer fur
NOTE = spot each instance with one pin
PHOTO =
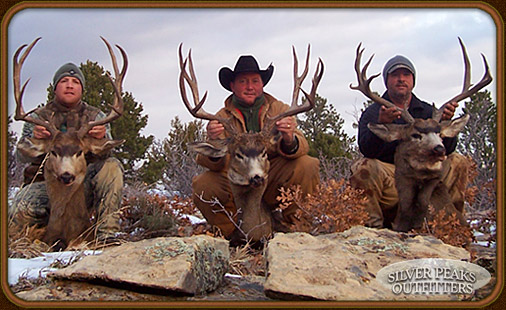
(65, 166)
(248, 172)
(64, 174)
(249, 166)
(420, 154)
(418, 161)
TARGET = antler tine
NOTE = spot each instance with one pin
(117, 83)
(295, 108)
(364, 85)
(191, 79)
(466, 90)
(118, 79)
(311, 97)
(297, 80)
(197, 111)
(467, 67)
(20, 114)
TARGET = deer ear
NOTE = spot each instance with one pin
(102, 146)
(452, 128)
(31, 147)
(208, 149)
(387, 132)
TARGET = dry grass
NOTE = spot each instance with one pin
(245, 260)
(24, 242)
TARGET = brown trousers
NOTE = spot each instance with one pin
(303, 171)
(376, 178)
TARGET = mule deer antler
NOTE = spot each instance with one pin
(295, 108)
(20, 114)
(466, 90)
(364, 85)
(197, 111)
(118, 104)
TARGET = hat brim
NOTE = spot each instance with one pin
(226, 75)
(400, 66)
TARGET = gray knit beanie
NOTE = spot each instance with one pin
(68, 69)
(395, 63)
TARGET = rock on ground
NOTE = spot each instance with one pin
(343, 266)
(192, 265)
(248, 288)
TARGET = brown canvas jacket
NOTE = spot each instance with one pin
(271, 108)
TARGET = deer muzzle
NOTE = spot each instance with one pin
(257, 181)
(439, 150)
(66, 178)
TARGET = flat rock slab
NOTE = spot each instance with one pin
(248, 288)
(192, 265)
(343, 266)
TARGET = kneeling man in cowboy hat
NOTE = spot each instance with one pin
(248, 107)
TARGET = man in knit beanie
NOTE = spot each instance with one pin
(104, 176)
(375, 172)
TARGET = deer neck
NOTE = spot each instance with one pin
(61, 195)
(255, 218)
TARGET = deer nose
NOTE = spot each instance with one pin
(439, 150)
(256, 181)
(67, 178)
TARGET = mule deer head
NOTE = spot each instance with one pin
(423, 135)
(420, 153)
(65, 166)
(248, 152)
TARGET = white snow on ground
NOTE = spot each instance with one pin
(40, 266)
(194, 219)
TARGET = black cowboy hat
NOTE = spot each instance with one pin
(244, 64)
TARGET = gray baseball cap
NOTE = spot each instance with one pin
(398, 62)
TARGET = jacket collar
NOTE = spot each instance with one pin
(232, 110)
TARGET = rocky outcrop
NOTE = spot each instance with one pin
(343, 266)
(193, 265)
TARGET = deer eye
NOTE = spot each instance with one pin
(79, 153)
(416, 136)
(54, 153)
(239, 156)
(264, 154)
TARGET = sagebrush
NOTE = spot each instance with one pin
(334, 207)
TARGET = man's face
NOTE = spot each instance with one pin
(400, 83)
(247, 87)
(68, 91)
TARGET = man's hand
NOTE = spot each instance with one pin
(286, 126)
(97, 132)
(388, 115)
(214, 129)
(40, 132)
(449, 110)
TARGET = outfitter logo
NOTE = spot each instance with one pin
(433, 276)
